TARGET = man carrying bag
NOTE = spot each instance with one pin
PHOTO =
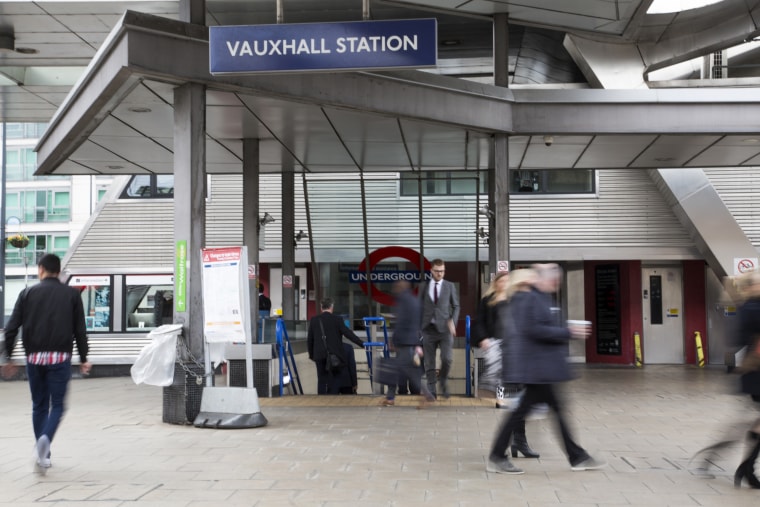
(406, 343)
(325, 344)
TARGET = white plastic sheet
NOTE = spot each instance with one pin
(155, 363)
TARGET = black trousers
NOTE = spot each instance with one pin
(342, 381)
(534, 394)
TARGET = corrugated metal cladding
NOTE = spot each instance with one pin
(739, 187)
(628, 211)
(128, 234)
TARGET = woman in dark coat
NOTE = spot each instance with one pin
(537, 358)
(491, 335)
(749, 337)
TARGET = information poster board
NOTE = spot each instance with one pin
(225, 295)
(607, 284)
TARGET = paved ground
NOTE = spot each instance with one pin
(113, 450)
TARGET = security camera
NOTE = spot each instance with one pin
(548, 140)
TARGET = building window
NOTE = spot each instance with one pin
(25, 130)
(39, 206)
(443, 183)
(553, 181)
(20, 164)
(96, 299)
(39, 244)
(146, 186)
(149, 301)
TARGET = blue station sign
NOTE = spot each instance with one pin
(354, 45)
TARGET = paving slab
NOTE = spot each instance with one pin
(113, 449)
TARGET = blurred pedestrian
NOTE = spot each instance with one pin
(407, 345)
(440, 311)
(51, 316)
(484, 334)
(749, 337)
(537, 358)
(492, 338)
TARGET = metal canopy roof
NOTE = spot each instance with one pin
(373, 122)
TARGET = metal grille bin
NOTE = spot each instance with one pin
(182, 399)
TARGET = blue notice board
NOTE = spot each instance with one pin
(354, 45)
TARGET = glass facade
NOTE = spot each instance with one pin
(39, 206)
(39, 244)
(144, 186)
(443, 183)
(553, 181)
(149, 301)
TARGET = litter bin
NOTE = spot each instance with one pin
(182, 399)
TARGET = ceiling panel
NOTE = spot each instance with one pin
(68, 33)
(217, 153)
(141, 150)
(233, 122)
(673, 150)
(723, 155)
(612, 151)
(355, 126)
(564, 148)
(158, 122)
(371, 153)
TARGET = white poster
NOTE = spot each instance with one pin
(225, 276)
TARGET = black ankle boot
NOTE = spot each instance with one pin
(520, 443)
(746, 469)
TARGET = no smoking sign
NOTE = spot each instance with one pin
(744, 265)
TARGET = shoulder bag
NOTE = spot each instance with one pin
(333, 362)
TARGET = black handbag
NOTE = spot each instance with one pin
(385, 371)
(333, 362)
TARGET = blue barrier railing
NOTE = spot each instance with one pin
(369, 344)
(468, 373)
(286, 359)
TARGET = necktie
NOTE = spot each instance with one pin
(435, 293)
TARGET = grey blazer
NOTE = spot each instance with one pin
(447, 307)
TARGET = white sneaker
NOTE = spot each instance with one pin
(43, 448)
(538, 411)
(503, 466)
(588, 464)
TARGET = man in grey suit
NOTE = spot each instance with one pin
(440, 311)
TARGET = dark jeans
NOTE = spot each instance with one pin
(48, 384)
(534, 394)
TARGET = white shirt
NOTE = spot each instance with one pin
(432, 289)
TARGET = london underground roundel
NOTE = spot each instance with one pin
(389, 252)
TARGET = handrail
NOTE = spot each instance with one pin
(283, 350)
(467, 374)
(370, 343)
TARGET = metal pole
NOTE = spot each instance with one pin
(365, 10)
(2, 232)
(280, 15)
(309, 229)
